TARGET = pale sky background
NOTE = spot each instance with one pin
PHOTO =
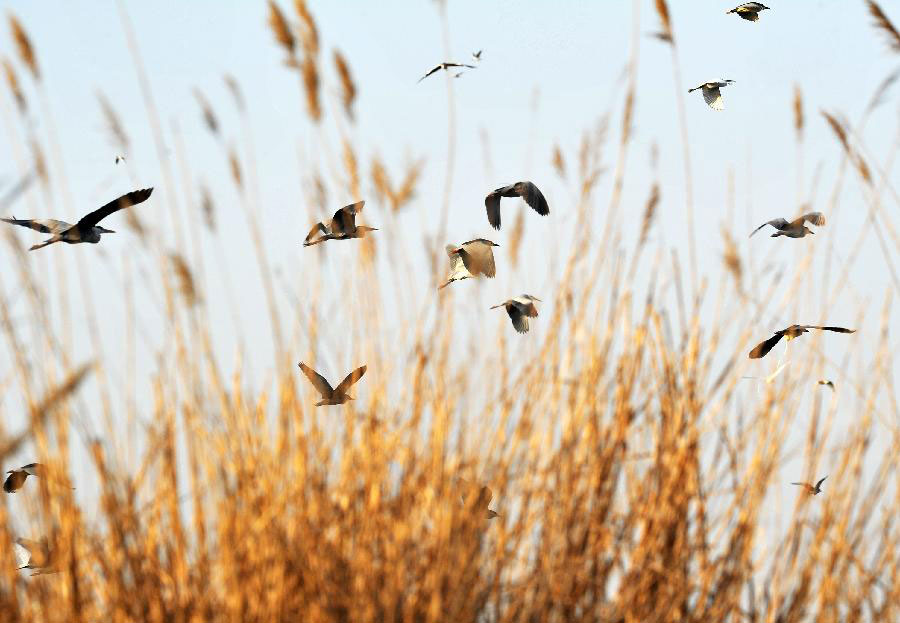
(567, 57)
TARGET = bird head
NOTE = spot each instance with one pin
(103, 230)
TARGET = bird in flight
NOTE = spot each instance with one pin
(795, 228)
(483, 497)
(470, 259)
(520, 309)
(477, 55)
(35, 555)
(120, 159)
(342, 226)
(526, 190)
(17, 477)
(811, 489)
(795, 330)
(711, 94)
(749, 10)
(85, 230)
(445, 67)
(332, 396)
(828, 383)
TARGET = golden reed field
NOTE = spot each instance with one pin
(632, 467)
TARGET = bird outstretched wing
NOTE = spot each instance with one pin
(762, 349)
(322, 386)
(344, 220)
(478, 258)
(778, 223)
(436, 68)
(814, 218)
(125, 201)
(23, 555)
(835, 329)
(532, 196)
(713, 98)
(819, 484)
(516, 314)
(317, 228)
(349, 380)
(46, 226)
(492, 206)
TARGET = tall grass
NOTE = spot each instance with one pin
(633, 470)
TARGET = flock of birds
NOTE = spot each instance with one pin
(470, 259)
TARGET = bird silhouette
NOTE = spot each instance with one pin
(793, 331)
(711, 94)
(811, 489)
(795, 228)
(526, 190)
(332, 396)
(342, 226)
(520, 309)
(470, 259)
(35, 555)
(749, 10)
(17, 477)
(445, 67)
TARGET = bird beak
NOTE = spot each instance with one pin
(103, 230)
(495, 244)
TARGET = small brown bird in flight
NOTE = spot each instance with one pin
(526, 190)
(445, 67)
(17, 477)
(483, 497)
(520, 309)
(342, 226)
(88, 228)
(828, 383)
(470, 259)
(749, 10)
(811, 489)
(795, 330)
(332, 396)
(795, 228)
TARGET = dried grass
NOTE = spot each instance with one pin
(649, 213)
(281, 29)
(185, 278)
(209, 116)
(114, 125)
(24, 47)
(840, 131)
(12, 81)
(401, 196)
(798, 111)
(559, 163)
(883, 24)
(662, 10)
(348, 87)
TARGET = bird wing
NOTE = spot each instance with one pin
(319, 382)
(492, 205)
(344, 220)
(762, 349)
(778, 223)
(835, 329)
(526, 304)
(12, 482)
(533, 197)
(349, 380)
(33, 469)
(23, 555)
(748, 13)
(47, 226)
(436, 68)
(478, 258)
(713, 98)
(519, 321)
(815, 218)
(317, 228)
(485, 495)
(819, 484)
(125, 201)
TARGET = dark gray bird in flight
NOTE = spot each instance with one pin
(445, 67)
(749, 10)
(35, 555)
(520, 309)
(711, 94)
(811, 489)
(342, 226)
(332, 396)
(85, 230)
(795, 330)
(526, 190)
(470, 259)
(17, 477)
(795, 228)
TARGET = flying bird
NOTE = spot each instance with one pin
(520, 309)
(342, 226)
(483, 496)
(811, 489)
(828, 383)
(445, 67)
(477, 55)
(35, 555)
(120, 159)
(526, 190)
(17, 477)
(332, 396)
(793, 331)
(711, 94)
(470, 259)
(795, 228)
(85, 230)
(749, 10)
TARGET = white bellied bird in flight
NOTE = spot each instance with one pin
(88, 228)
(520, 309)
(332, 396)
(445, 67)
(795, 228)
(35, 555)
(793, 331)
(811, 489)
(470, 259)
(711, 94)
(342, 226)
(526, 190)
(749, 10)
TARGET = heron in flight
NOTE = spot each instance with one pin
(793, 331)
(35, 555)
(795, 228)
(526, 190)
(520, 309)
(342, 226)
(711, 94)
(749, 10)
(88, 228)
(811, 489)
(17, 477)
(332, 396)
(482, 498)
(445, 67)
(827, 384)
(470, 259)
